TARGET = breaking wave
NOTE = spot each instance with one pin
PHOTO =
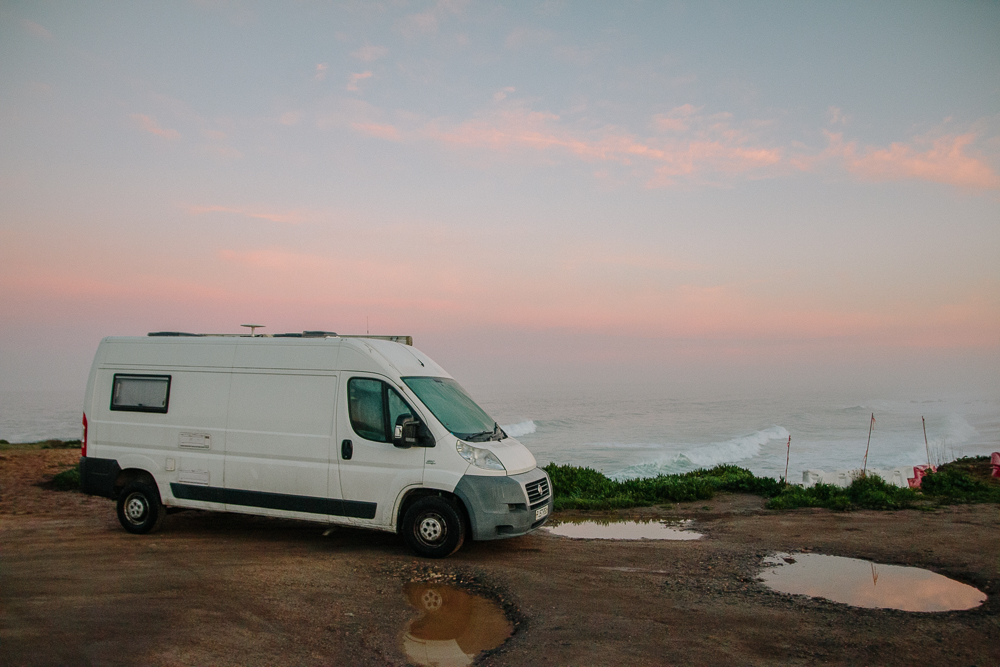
(706, 456)
(519, 429)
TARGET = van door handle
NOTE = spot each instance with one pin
(346, 450)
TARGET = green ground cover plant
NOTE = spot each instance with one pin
(586, 488)
(67, 480)
(41, 444)
(962, 481)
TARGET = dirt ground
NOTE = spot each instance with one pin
(224, 589)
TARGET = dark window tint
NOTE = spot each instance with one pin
(374, 407)
(140, 393)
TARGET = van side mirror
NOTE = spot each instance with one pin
(410, 432)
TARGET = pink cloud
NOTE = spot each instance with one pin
(376, 130)
(321, 71)
(428, 22)
(714, 147)
(355, 78)
(501, 95)
(276, 260)
(293, 217)
(149, 124)
(945, 160)
(368, 53)
(36, 29)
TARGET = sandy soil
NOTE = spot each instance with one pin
(235, 590)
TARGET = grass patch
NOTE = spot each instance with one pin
(41, 444)
(67, 480)
(870, 493)
(588, 489)
(965, 480)
(962, 481)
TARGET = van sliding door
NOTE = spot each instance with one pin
(279, 439)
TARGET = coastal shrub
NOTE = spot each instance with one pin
(952, 484)
(870, 493)
(962, 481)
(586, 488)
(821, 495)
(67, 480)
(60, 444)
(739, 480)
(874, 493)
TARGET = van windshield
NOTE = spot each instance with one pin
(454, 408)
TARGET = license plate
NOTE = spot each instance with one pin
(541, 511)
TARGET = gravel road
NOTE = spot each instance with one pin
(225, 589)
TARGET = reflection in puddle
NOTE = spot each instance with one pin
(861, 583)
(624, 530)
(454, 628)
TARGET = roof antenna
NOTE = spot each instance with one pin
(253, 327)
(368, 328)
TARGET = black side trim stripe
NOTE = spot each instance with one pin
(275, 501)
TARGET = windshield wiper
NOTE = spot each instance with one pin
(485, 436)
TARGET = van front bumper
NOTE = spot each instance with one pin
(506, 506)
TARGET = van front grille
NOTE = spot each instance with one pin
(537, 490)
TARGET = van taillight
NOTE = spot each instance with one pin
(83, 445)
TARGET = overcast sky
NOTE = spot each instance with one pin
(807, 191)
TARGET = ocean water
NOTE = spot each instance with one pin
(631, 432)
(638, 433)
(29, 416)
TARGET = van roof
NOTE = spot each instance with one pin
(387, 355)
(405, 340)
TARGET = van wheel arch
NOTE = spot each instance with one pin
(130, 475)
(417, 494)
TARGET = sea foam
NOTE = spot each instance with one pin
(706, 456)
(519, 429)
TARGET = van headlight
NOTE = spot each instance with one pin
(481, 458)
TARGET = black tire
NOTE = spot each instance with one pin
(140, 510)
(433, 527)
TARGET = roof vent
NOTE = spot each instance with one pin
(171, 333)
(317, 334)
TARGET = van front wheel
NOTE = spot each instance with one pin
(139, 508)
(433, 527)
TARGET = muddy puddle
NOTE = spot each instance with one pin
(862, 583)
(454, 627)
(623, 530)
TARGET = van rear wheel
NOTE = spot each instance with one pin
(433, 527)
(140, 510)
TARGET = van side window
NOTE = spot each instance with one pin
(374, 407)
(140, 393)
(397, 408)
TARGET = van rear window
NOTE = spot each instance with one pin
(140, 393)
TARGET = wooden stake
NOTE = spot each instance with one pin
(928, 447)
(787, 453)
(864, 470)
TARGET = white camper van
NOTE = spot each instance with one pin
(360, 431)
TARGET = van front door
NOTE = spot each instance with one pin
(372, 470)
